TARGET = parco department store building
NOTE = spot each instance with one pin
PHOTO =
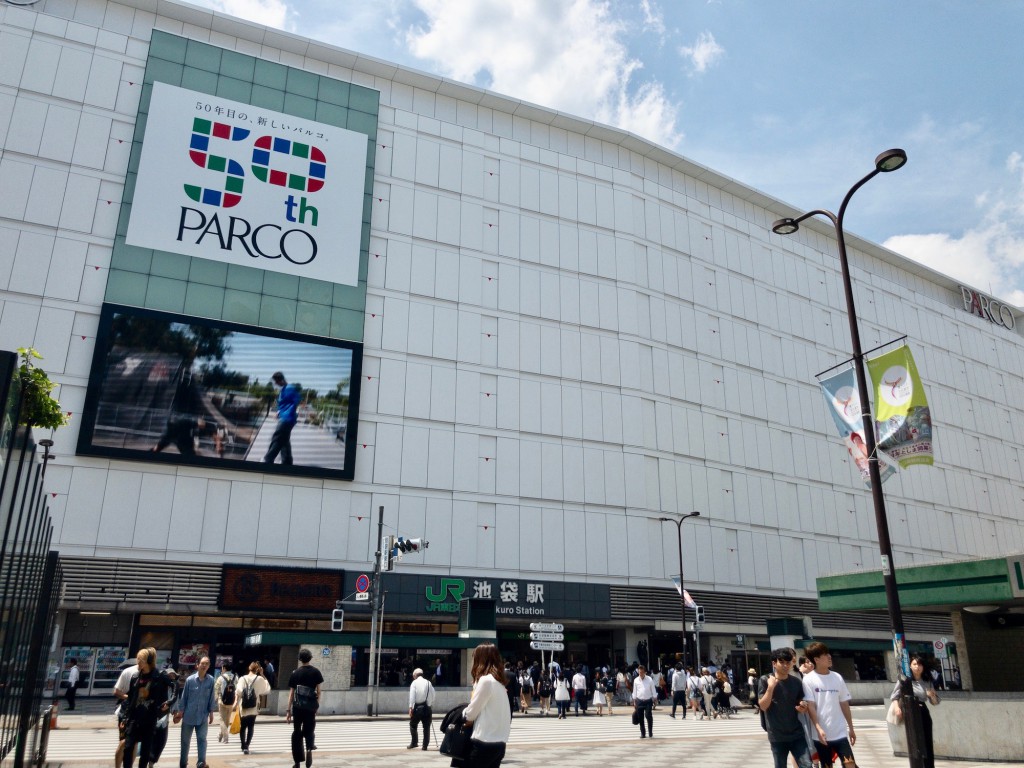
(526, 335)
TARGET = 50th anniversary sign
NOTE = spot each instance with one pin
(240, 184)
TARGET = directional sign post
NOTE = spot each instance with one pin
(547, 636)
(539, 645)
(545, 627)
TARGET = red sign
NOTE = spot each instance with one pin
(305, 590)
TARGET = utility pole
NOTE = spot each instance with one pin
(371, 681)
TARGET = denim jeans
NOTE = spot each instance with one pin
(781, 750)
(186, 741)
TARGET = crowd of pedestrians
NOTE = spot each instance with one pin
(151, 698)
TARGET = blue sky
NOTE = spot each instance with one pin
(793, 98)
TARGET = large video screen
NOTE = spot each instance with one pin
(204, 392)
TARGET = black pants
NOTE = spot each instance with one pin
(484, 754)
(644, 707)
(303, 728)
(69, 694)
(420, 714)
(159, 742)
(248, 725)
(580, 700)
(679, 700)
(280, 442)
(140, 735)
(928, 747)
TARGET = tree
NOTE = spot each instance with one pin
(38, 406)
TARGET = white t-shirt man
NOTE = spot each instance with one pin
(828, 692)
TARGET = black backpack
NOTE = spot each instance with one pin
(248, 696)
(227, 694)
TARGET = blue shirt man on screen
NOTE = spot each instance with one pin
(287, 414)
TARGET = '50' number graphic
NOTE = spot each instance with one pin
(264, 148)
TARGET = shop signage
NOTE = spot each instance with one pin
(987, 308)
(528, 602)
(304, 590)
(239, 184)
(535, 602)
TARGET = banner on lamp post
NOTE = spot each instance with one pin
(687, 600)
(840, 391)
(903, 419)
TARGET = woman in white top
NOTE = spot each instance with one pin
(488, 710)
(250, 686)
(561, 695)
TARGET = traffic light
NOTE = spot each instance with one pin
(411, 545)
(390, 552)
(700, 614)
(337, 620)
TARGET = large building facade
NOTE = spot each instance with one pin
(555, 334)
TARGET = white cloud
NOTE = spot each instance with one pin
(988, 256)
(564, 54)
(705, 52)
(653, 18)
(271, 13)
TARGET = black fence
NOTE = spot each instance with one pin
(30, 581)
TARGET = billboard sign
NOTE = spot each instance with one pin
(240, 184)
(187, 390)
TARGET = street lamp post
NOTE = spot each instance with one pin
(890, 160)
(682, 586)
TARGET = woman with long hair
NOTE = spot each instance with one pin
(924, 692)
(247, 695)
(488, 710)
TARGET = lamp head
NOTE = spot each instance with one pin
(891, 160)
(695, 513)
(785, 226)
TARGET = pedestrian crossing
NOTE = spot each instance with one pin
(347, 735)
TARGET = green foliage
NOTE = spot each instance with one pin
(38, 407)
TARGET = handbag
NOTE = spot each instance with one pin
(636, 716)
(456, 740)
(236, 722)
(891, 717)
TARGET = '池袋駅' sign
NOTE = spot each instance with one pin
(240, 184)
(987, 308)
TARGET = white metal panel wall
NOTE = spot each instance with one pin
(564, 340)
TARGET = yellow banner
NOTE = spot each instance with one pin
(902, 416)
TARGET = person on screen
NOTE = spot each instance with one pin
(287, 414)
(182, 431)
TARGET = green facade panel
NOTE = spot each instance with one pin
(237, 292)
(948, 584)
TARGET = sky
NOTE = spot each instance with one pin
(794, 98)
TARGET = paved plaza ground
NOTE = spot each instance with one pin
(88, 739)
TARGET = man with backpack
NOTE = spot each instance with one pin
(224, 692)
(303, 702)
(706, 686)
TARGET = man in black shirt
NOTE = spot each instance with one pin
(780, 697)
(303, 702)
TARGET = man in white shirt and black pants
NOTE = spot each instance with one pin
(421, 706)
(644, 697)
(73, 677)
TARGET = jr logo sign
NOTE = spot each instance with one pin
(439, 600)
(240, 184)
